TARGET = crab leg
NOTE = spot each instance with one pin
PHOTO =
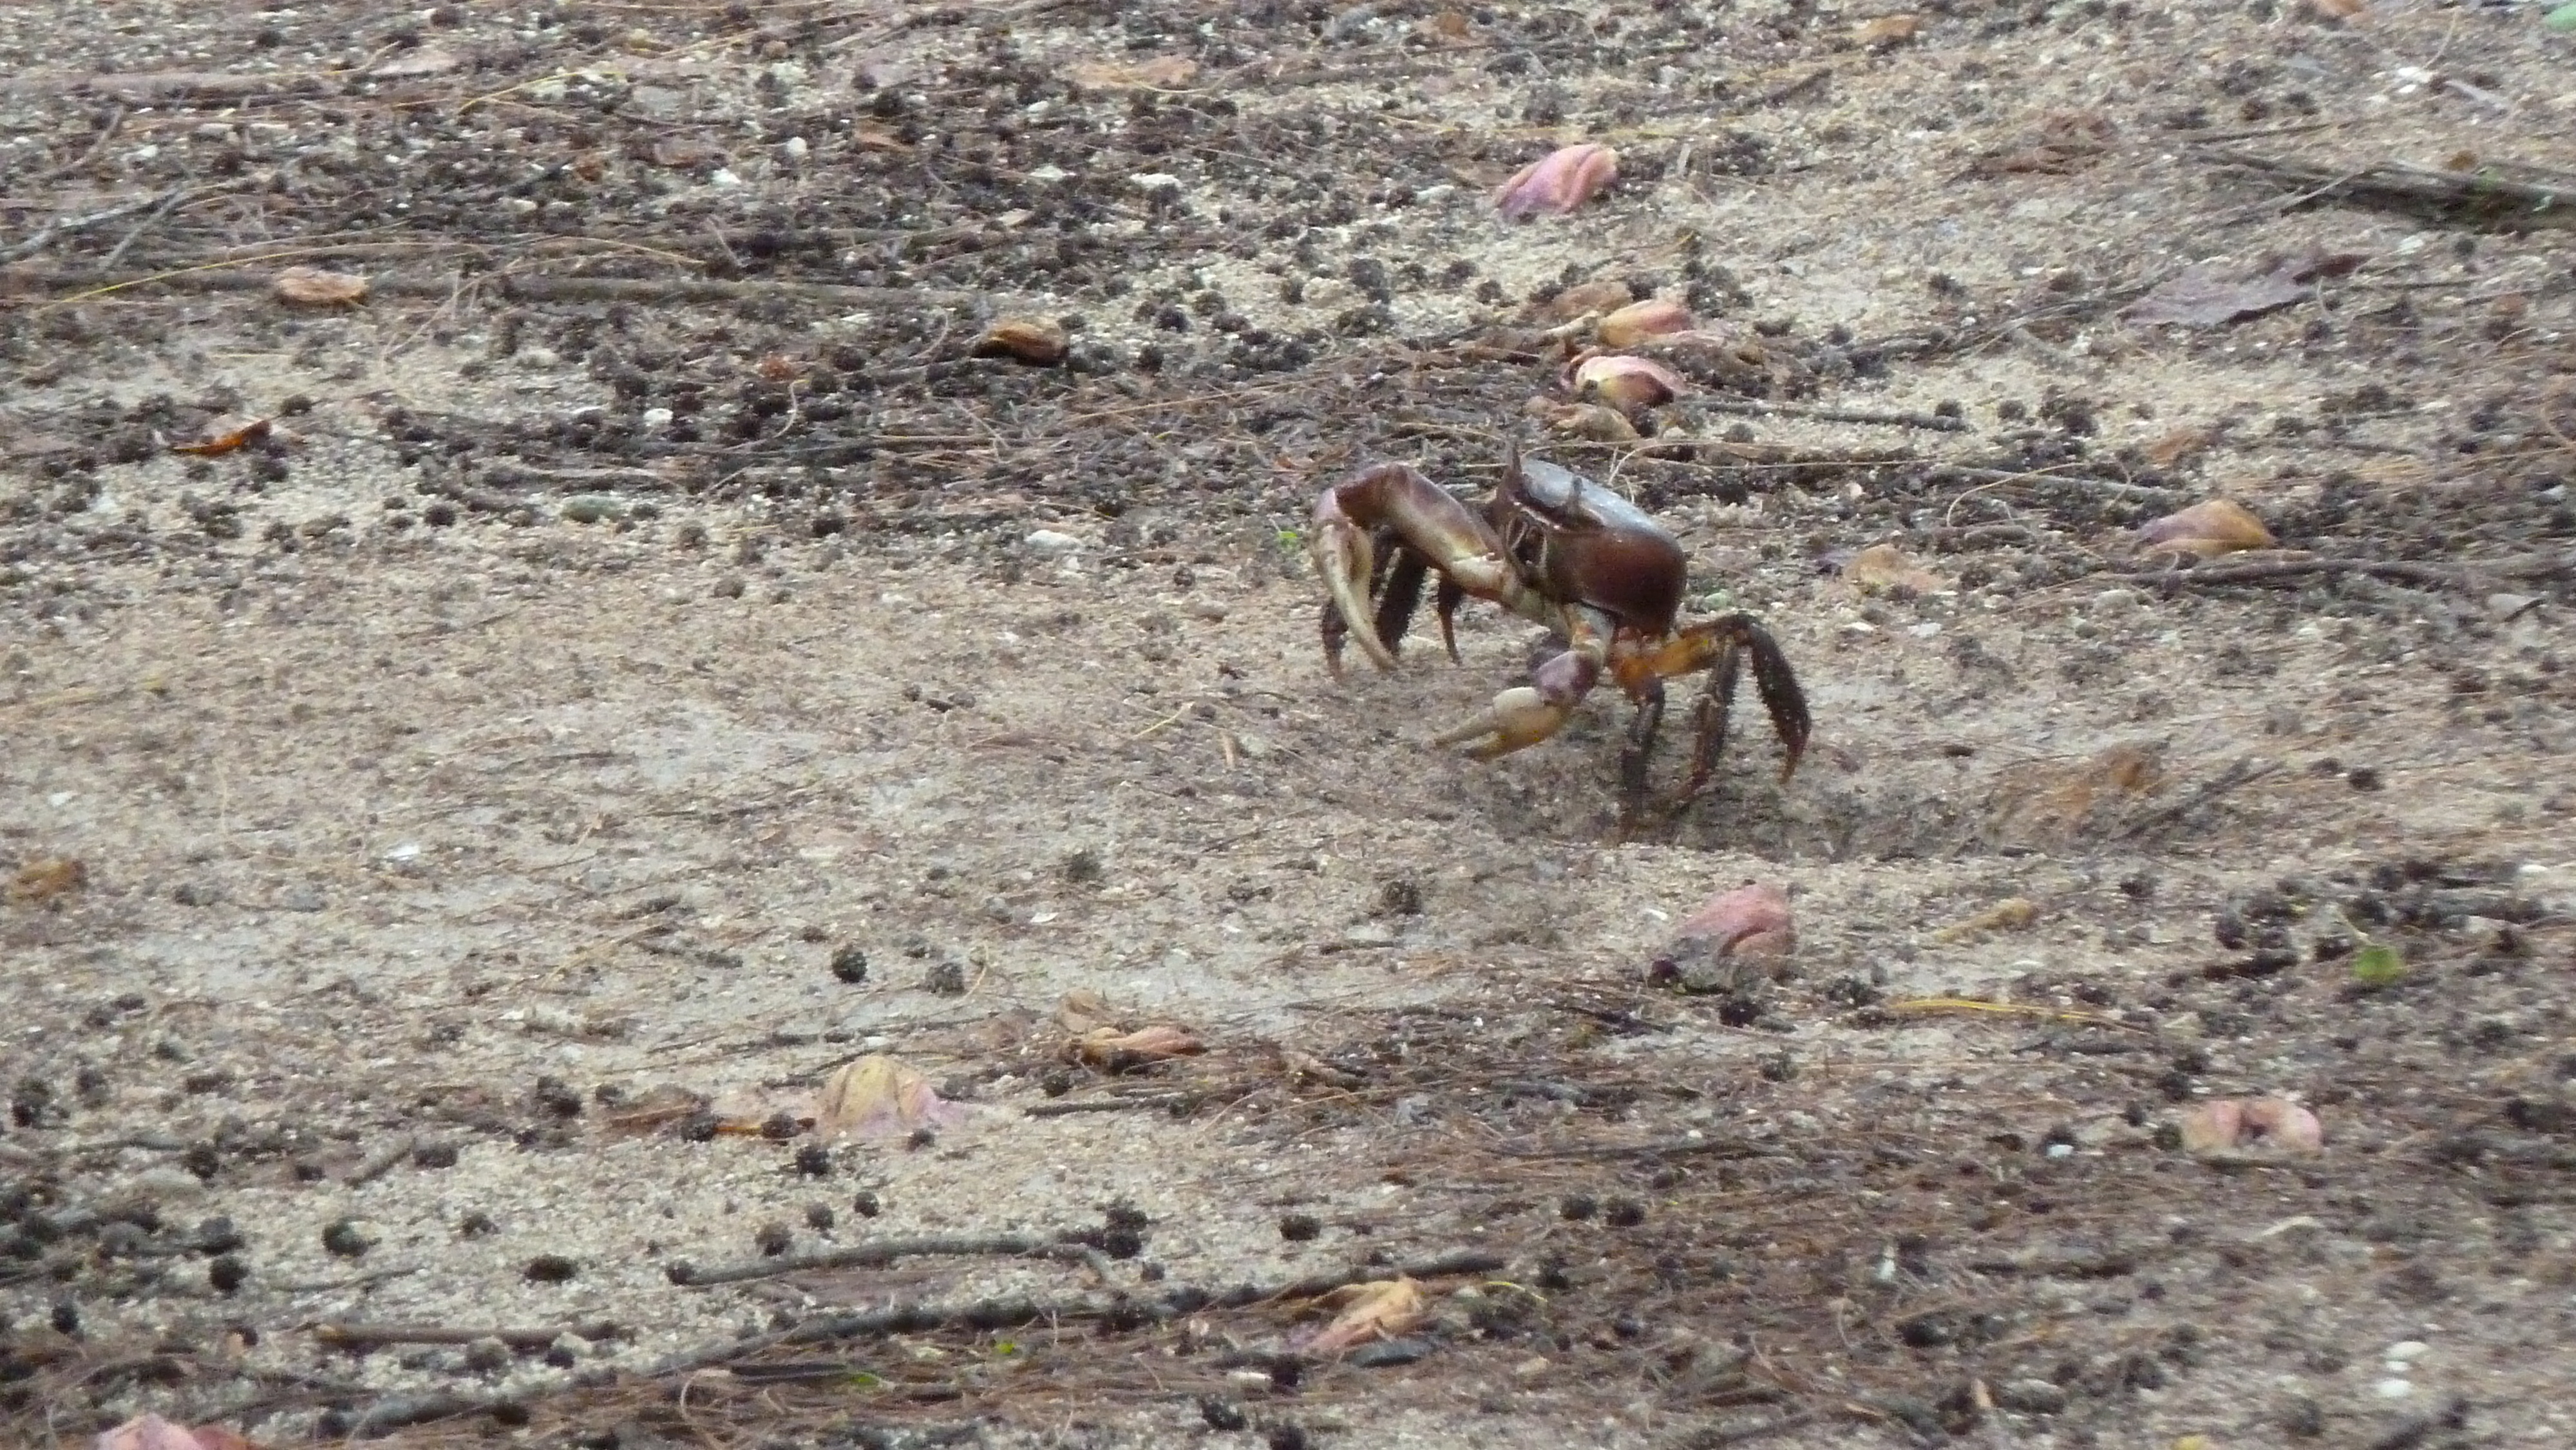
(1723, 644)
(1461, 547)
(1524, 715)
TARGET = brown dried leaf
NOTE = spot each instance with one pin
(869, 136)
(2049, 803)
(46, 878)
(683, 152)
(1449, 27)
(1111, 1050)
(1039, 340)
(2338, 9)
(1559, 182)
(1750, 921)
(1634, 323)
(1587, 299)
(2212, 1126)
(1584, 420)
(1887, 29)
(216, 1437)
(1083, 1011)
(878, 1097)
(421, 60)
(2208, 528)
(1379, 1309)
(222, 443)
(1161, 72)
(314, 287)
(2178, 445)
(2207, 296)
(149, 1432)
(1884, 566)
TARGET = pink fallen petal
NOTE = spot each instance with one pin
(1558, 182)
(1623, 382)
(2282, 1125)
(1750, 921)
(148, 1432)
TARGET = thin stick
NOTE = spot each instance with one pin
(227, 277)
(880, 1254)
(370, 1336)
(380, 1162)
(2457, 576)
(1756, 407)
(1170, 1101)
(1667, 1148)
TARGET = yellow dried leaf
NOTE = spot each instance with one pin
(314, 287)
(1449, 27)
(1162, 72)
(1884, 566)
(1887, 29)
(2209, 528)
(1379, 1309)
(46, 878)
(226, 442)
(1584, 299)
(878, 1097)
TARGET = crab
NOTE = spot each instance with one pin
(1563, 551)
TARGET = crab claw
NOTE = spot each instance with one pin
(1520, 717)
(1342, 554)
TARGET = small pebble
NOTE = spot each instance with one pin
(2406, 1349)
(2394, 1389)
(487, 1354)
(1048, 541)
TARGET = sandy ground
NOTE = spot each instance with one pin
(590, 719)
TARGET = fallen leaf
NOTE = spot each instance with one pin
(314, 287)
(420, 60)
(1039, 340)
(1887, 29)
(1162, 72)
(1111, 1050)
(2064, 141)
(878, 1097)
(2207, 296)
(149, 1432)
(870, 136)
(1587, 299)
(2049, 803)
(1884, 566)
(1558, 182)
(1634, 323)
(682, 152)
(1751, 920)
(1083, 1011)
(45, 878)
(1584, 420)
(1379, 1309)
(216, 1437)
(222, 443)
(2262, 1125)
(2208, 528)
(2338, 9)
(1625, 383)
(2178, 445)
(663, 1105)
(1449, 27)
(2010, 914)
(2378, 965)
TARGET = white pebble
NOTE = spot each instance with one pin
(2406, 1349)
(1048, 541)
(796, 148)
(724, 180)
(656, 418)
(2394, 1389)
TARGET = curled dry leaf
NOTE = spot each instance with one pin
(2211, 527)
(1379, 1309)
(421, 60)
(1162, 72)
(2239, 1125)
(1884, 566)
(1083, 1011)
(1623, 382)
(149, 1432)
(1039, 340)
(663, 1105)
(314, 287)
(46, 878)
(245, 435)
(1634, 323)
(1750, 921)
(878, 1097)
(1559, 182)
(2207, 296)
(1111, 1050)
